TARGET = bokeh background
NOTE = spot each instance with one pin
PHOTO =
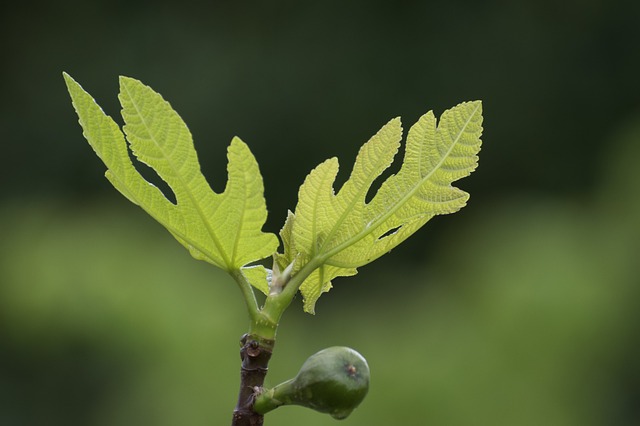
(522, 309)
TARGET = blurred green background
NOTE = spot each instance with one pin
(522, 309)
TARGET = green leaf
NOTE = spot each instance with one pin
(343, 231)
(223, 229)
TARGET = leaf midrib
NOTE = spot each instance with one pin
(244, 211)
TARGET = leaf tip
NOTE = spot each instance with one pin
(69, 81)
(396, 123)
(130, 83)
(236, 141)
(477, 104)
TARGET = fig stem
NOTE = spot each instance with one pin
(269, 399)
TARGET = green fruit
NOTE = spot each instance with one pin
(334, 381)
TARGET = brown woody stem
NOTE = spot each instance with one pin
(255, 354)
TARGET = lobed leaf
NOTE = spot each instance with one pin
(223, 229)
(343, 231)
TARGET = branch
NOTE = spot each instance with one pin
(255, 355)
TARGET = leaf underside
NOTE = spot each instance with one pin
(336, 233)
(223, 229)
(341, 232)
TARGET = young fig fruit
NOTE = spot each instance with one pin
(334, 381)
